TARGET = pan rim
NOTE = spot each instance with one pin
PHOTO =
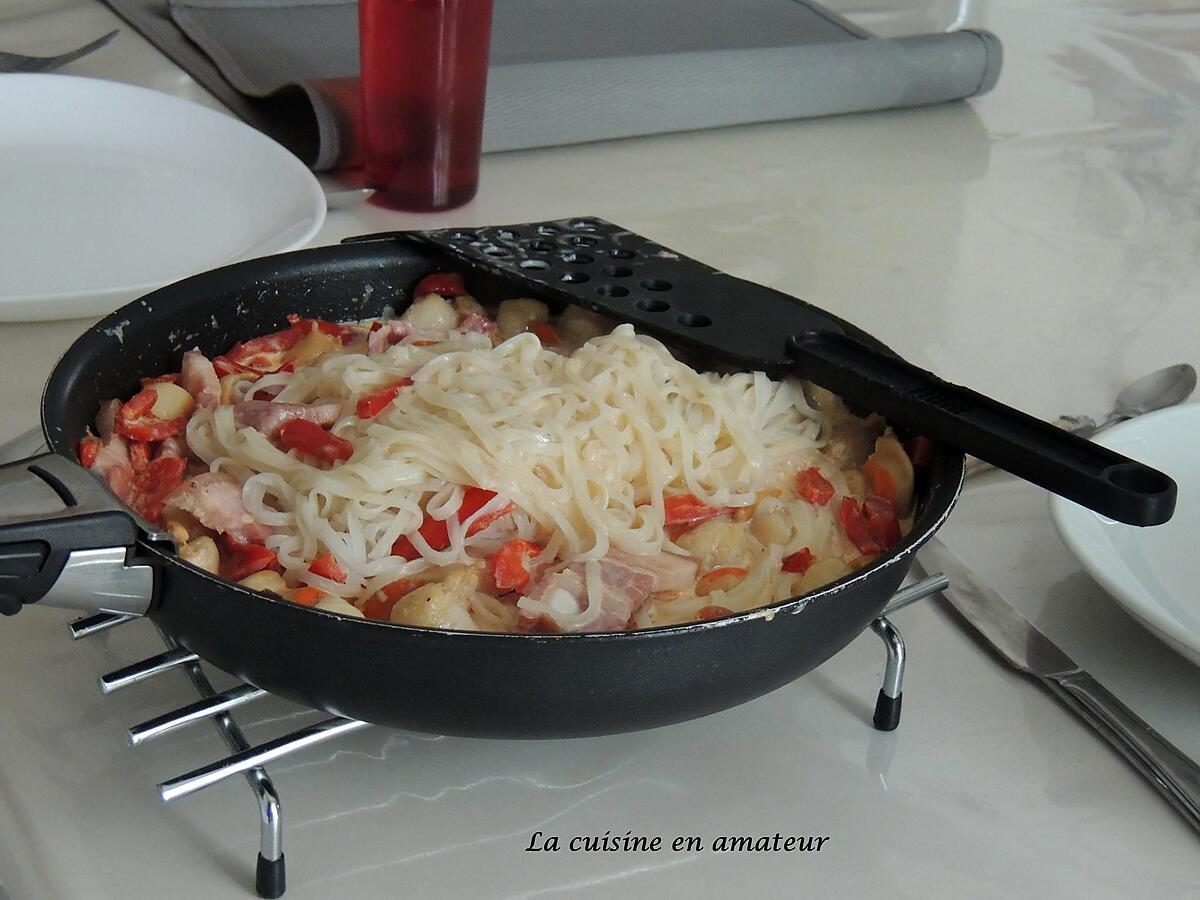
(941, 498)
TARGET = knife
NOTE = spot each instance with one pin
(1026, 649)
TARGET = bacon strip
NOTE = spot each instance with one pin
(173, 446)
(215, 500)
(106, 419)
(112, 462)
(199, 378)
(390, 332)
(561, 597)
(671, 572)
(476, 322)
(560, 600)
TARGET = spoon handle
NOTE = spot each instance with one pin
(1094, 476)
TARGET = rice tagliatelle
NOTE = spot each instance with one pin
(460, 468)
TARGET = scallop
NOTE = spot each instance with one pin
(721, 543)
(440, 604)
(515, 316)
(172, 402)
(466, 305)
(431, 313)
(265, 581)
(202, 553)
(773, 527)
(329, 603)
(579, 325)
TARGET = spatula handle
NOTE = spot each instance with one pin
(1104, 481)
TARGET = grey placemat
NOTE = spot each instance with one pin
(567, 71)
(262, 45)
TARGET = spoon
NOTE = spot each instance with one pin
(1158, 390)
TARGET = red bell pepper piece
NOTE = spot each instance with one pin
(882, 521)
(311, 439)
(136, 419)
(437, 533)
(546, 333)
(262, 354)
(813, 487)
(686, 509)
(152, 484)
(344, 332)
(475, 499)
(404, 547)
(89, 447)
(240, 559)
(447, 284)
(327, 567)
(799, 562)
(872, 527)
(307, 596)
(371, 405)
(851, 516)
(508, 565)
(158, 379)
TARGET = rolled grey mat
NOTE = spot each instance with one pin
(569, 71)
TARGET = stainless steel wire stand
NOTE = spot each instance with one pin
(887, 705)
(249, 760)
(270, 871)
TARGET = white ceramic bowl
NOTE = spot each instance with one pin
(1154, 573)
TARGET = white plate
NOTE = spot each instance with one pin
(1153, 572)
(108, 191)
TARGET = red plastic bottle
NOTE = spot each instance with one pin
(424, 77)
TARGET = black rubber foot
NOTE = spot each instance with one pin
(887, 712)
(270, 877)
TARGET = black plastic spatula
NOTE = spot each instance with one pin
(610, 270)
(1094, 476)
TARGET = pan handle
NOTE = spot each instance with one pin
(1093, 476)
(66, 541)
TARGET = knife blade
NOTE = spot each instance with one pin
(1022, 646)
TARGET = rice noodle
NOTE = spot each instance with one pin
(585, 445)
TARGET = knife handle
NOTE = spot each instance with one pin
(1173, 773)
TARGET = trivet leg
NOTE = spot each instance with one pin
(887, 707)
(270, 875)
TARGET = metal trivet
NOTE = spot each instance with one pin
(244, 759)
(270, 873)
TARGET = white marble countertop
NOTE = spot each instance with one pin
(1038, 244)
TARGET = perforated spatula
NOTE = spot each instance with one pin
(610, 270)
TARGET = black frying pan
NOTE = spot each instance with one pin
(65, 541)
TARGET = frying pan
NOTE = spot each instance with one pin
(64, 540)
